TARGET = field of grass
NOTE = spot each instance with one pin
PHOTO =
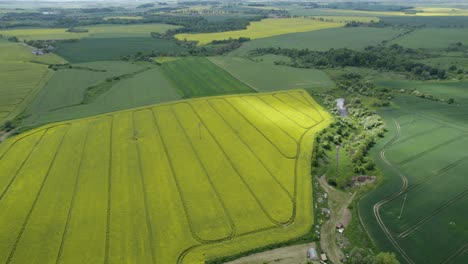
(97, 31)
(424, 161)
(434, 38)
(195, 77)
(105, 49)
(262, 29)
(234, 170)
(20, 78)
(356, 38)
(264, 76)
(57, 102)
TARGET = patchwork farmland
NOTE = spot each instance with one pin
(17, 89)
(235, 171)
(263, 29)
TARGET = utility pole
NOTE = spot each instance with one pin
(402, 206)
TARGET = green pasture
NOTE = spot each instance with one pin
(434, 38)
(195, 77)
(325, 39)
(430, 152)
(61, 98)
(265, 76)
(106, 49)
(95, 31)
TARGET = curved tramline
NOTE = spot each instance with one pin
(181, 182)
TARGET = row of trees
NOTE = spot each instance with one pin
(389, 58)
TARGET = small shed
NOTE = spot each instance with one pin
(323, 257)
(312, 254)
(339, 226)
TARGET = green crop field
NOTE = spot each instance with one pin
(56, 102)
(195, 77)
(422, 205)
(20, 78)
(434, 38)
(105, 49)
(264, 76)
(325, 39)
(262, 29)
(97, 31)
(235, 171)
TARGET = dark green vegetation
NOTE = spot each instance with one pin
(424, 160)
(106, 49)
(388, 58)
(196, 77)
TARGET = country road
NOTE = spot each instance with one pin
(338, 202)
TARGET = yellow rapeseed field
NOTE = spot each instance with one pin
(262, 29)
(180, 182)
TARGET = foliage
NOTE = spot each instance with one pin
(390, 58)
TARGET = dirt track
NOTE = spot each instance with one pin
(338, 202)
(286, 255)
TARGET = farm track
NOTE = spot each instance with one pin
(72, 201)
(458, 252)
(294, 121)
(426, 219)
(431, 149)
(256, 156)
(259, 131)
(22, 164)
(237, 171)
(176, 180)
(208, 177)
(28, 216)
(109, 193)
(417, 135)
(437, 173)
(403, 187)
(144, 191)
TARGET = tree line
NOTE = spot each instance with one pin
(389, 58)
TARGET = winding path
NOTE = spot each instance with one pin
(403, 188)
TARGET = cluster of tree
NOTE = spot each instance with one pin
(230, 40)
(431, 97)
(148, 5)
(457, 47)
(393, 58)
(191, 49)
(365, 256)
(357, 132)
(355, 83)
(77, 30)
